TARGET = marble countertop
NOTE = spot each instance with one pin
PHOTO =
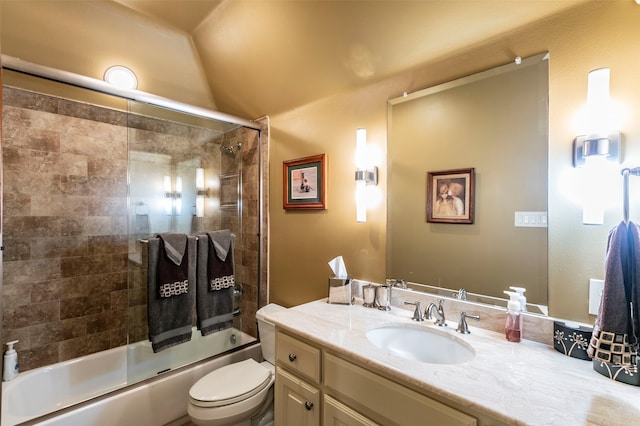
(526, 383)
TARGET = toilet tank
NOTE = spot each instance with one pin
(268, 331)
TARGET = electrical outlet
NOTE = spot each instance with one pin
(595, 294)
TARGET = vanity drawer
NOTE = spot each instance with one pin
(385, 401)
(298, 356)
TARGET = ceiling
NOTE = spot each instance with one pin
(270, 56)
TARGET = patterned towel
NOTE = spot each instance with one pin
(216, 281)
(615, 335)
(171, 278)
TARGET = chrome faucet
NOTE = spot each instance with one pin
(438, 315)
(400, 284)
(462, 325)
(417, 314)
(460, 294)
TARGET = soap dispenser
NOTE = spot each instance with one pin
(10, 362)
(521, 297)
(513, 323)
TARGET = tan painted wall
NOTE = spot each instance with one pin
(597, 35)
(96, 35)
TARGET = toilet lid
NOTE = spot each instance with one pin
(230, 384)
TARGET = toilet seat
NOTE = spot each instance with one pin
(230, 384)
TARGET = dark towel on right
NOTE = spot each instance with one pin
(216, 281)
(615, 335)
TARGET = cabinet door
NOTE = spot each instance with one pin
(337, 414)
(385, 401)
(296, 402)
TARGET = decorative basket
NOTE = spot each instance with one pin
(572, 339)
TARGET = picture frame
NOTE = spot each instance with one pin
(305, 183)
(451, 196)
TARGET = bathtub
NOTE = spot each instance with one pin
(96, 389)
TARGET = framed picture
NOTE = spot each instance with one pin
(305, 183)
(450, 196)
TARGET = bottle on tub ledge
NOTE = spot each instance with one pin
(10, 362)
(513, 323)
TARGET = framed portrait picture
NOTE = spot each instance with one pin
(305, 182)
(450, 196)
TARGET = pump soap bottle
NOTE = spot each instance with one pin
(10, 362)
(521, 297)
(513, 323)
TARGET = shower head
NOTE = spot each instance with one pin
(231, 149)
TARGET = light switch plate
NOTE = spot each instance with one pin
(530, 219)
(595, 294)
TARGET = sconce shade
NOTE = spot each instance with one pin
(173, 199)
(199, 178)
(201, 193)
(366, 174)
(598, 87)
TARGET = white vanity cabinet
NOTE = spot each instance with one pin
(316, 386)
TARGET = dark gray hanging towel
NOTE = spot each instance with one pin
(615, 334)
(171, 289)
(216, 281)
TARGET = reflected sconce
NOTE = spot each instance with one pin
(173, 198)
(599, 149)
(201, 192)
(121, 77)
(366, 174)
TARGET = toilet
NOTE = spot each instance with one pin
(239, 394)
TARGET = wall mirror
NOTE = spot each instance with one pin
(495, 122)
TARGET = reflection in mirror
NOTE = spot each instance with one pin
(463, 294)
(497, 123)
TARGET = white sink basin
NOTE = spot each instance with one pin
(420, 343)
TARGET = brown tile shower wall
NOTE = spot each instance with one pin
(67, 247)
(65, 228)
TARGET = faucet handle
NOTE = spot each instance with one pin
(417, 314)
(462, 325)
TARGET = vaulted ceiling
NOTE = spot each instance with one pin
(268, 56)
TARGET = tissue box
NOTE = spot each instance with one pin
(572, 340)
(340, 291)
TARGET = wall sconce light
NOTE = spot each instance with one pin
(201, 192)
(173, 198)
(121, 77)
(601, 140)
(598, 151)
(366, 174)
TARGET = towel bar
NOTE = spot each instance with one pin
(146, 241)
